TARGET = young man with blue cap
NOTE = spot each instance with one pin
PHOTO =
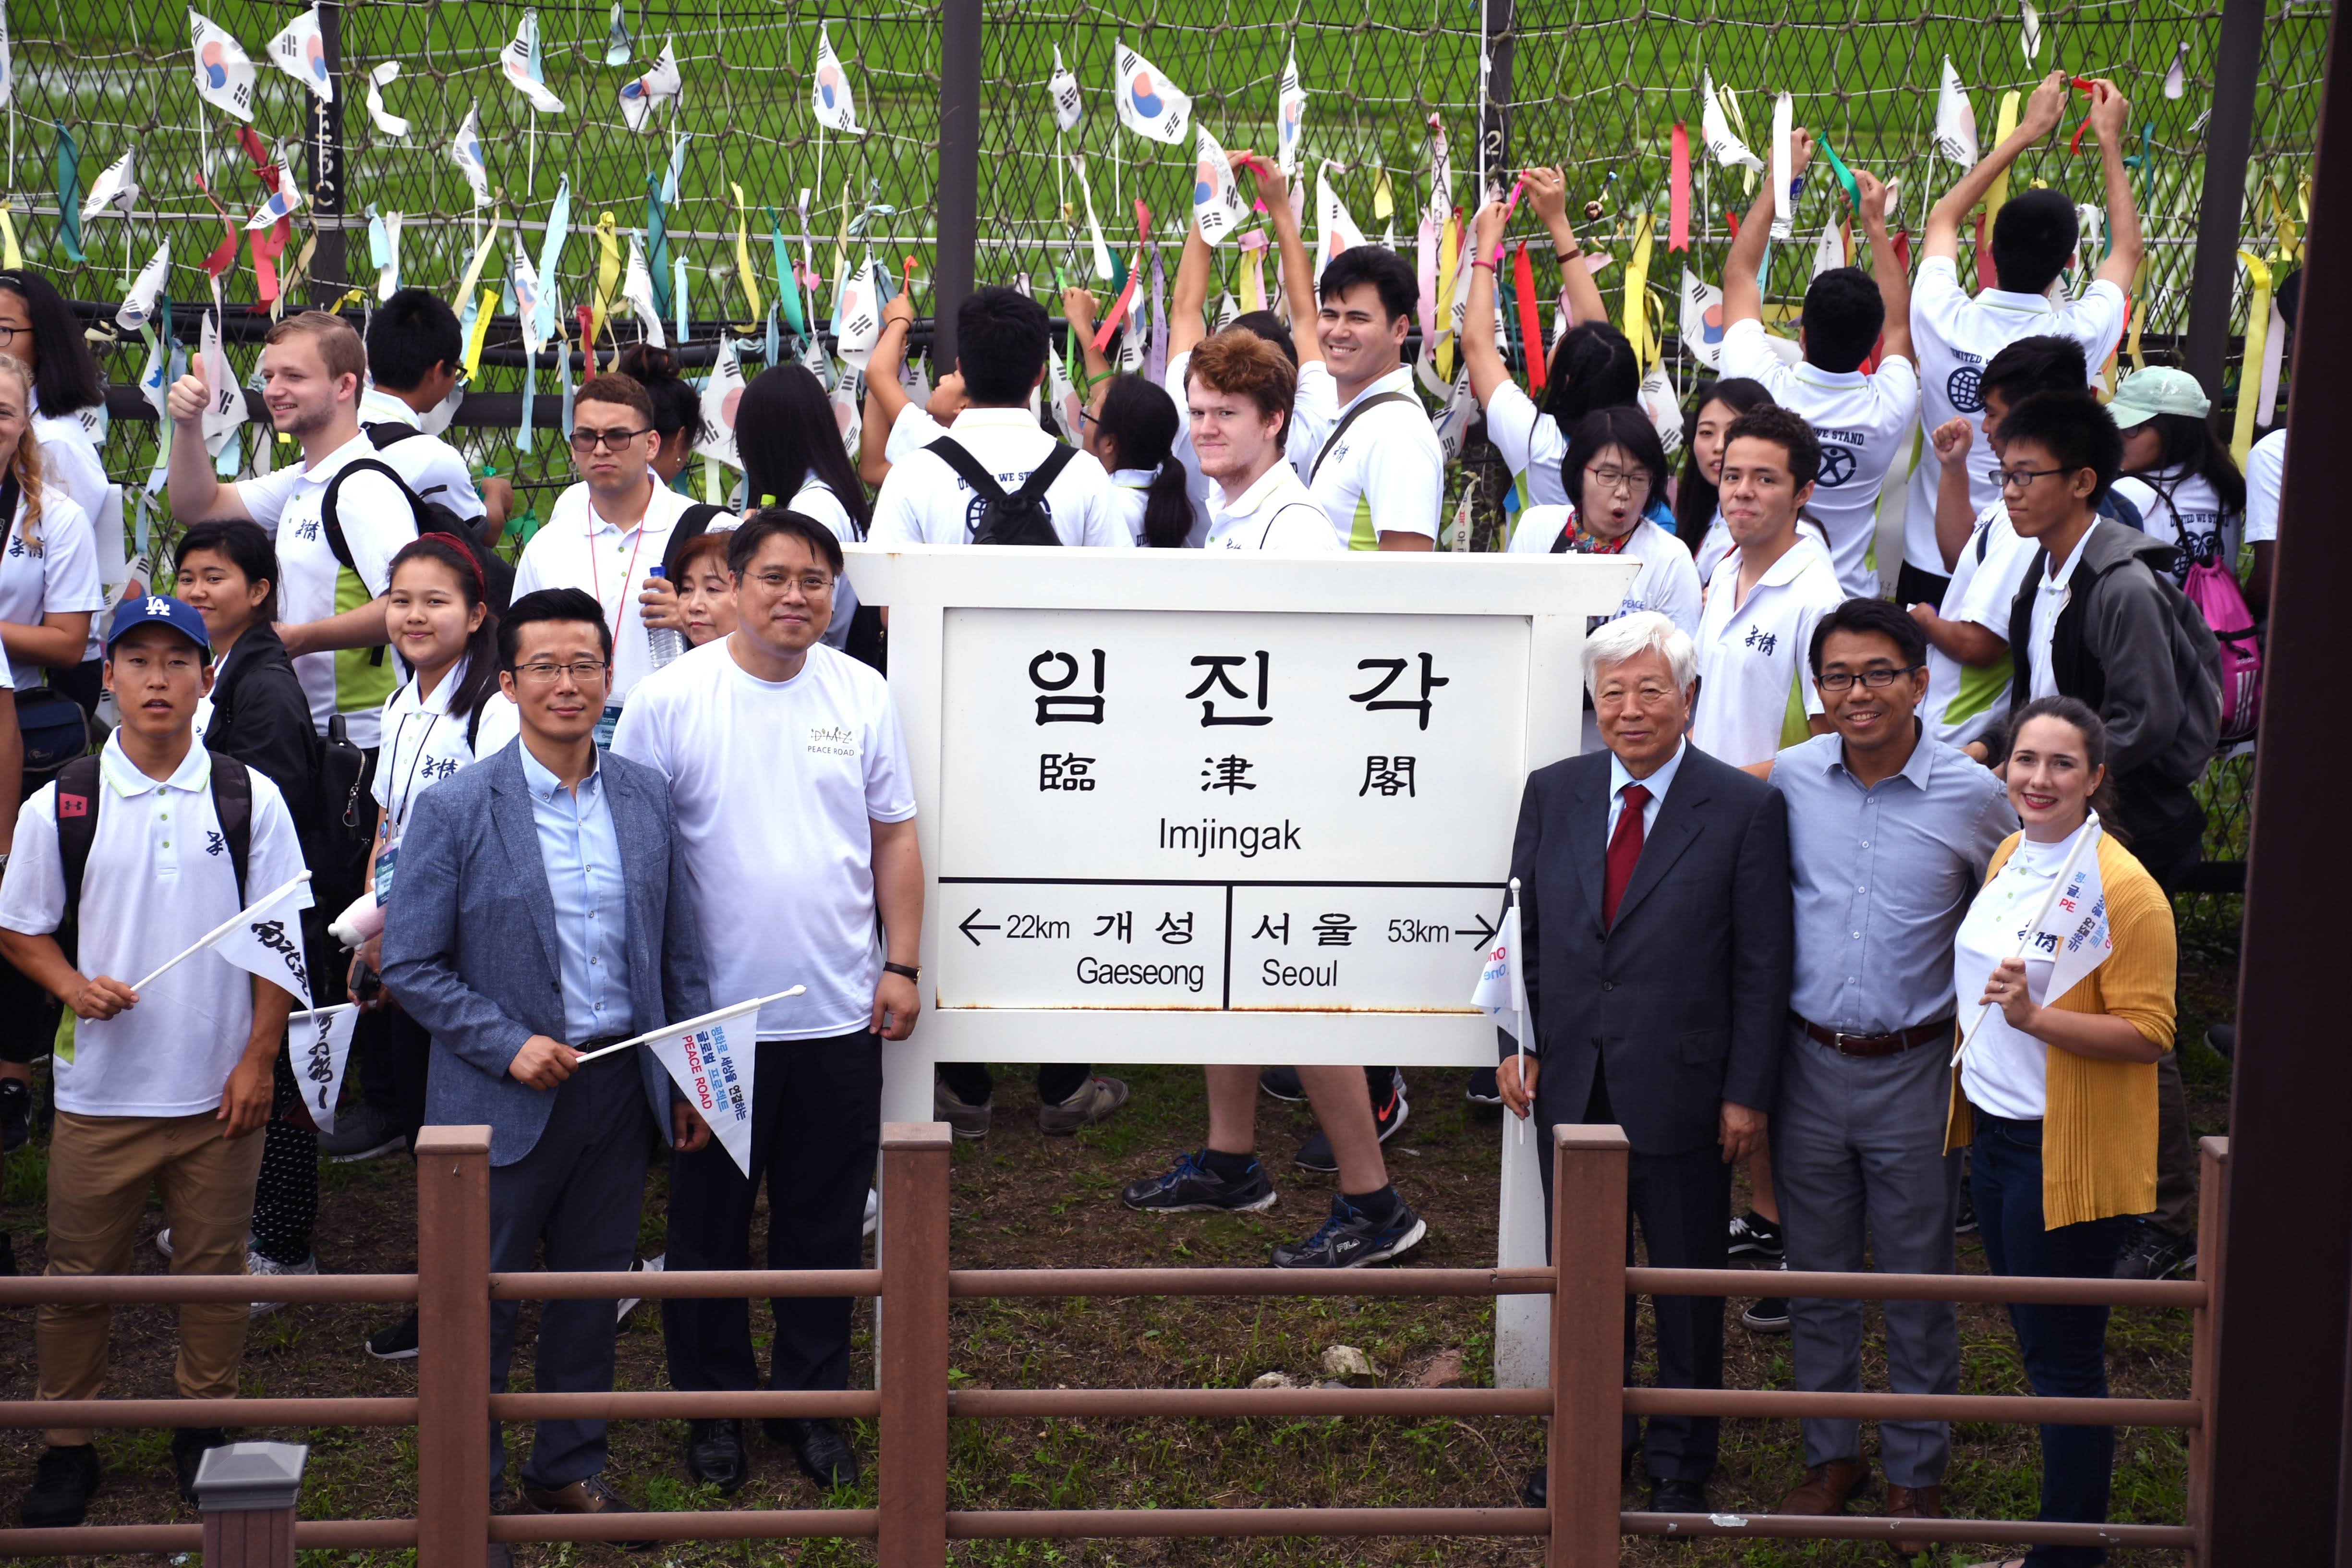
(166, 1084)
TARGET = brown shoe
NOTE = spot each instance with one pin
(1914, 1503)
(1826, 1487)
(587, 1495)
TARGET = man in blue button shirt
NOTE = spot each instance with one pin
(1889, 834)
(551, 839)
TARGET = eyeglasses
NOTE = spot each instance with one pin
(814, 585)
(2019, 479)
(1632, 482)
(8, 336)
(1878, 678)
(587, 441)
(541, 673)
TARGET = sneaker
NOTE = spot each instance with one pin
(1769, 1315)
(648, 1265)
(1192, 1188)
(966, 1120)
(1282, 1083)
(256, 1264)
(1094, 1100)
(1388, 1115)
(63, 1483)
(1349, 1238)
(1753, 1236)
(2154, 1253)
(1966, 1225)
(16, 1114)
(163, 1241)
(1481, 1089)
(362, 1134)
(873, 1210)
(188, 1446)
(2221, 1039)
(397, 1343)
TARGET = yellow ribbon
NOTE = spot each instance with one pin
(2250, 368)
(1997, 192)
(608, 278)
(474, 276)
(1637, 288)
(293, 275)
(482, 314)
(743, 272)
(2290, 245)
(1383, 198)
(10, 256)
(1449, 254)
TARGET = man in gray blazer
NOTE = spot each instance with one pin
(1654, 885)
(539, 908)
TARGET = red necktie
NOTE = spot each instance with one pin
(1624, 850)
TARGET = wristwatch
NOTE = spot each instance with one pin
(911, 970)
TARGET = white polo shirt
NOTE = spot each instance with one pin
(1531, 442)
(377, 521)
(1861, 422)
(1755, 669)
(579, 549)
(2051, 597)
(56, 573)
(423, 743)
(1964, 701)
(70, 461)
(2184, 510)
(913, 430)
(1130, 495)
(776, 786)
(1276, 515)
(1314, 406)
(1717, 544)
(435, 469)
(1387, 472)
(924, 501)
(1954, 336)
(1668, 582)
(2265, 474)
(159, 878)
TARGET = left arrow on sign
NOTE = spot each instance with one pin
(967, 927)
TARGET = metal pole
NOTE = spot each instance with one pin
(1495, 109)
(2229, 142)
(912, 1362)
(952, 271)
(330, 269)
(2278, 1387)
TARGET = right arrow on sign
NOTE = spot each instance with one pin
(967, 927)
(1478, 938)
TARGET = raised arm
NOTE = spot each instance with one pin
(1548, 194)
(197, 495)
(1479, 351)
(1079, 310)
(1295, 267)
(2111, 118)
(884, 396)
(2044, 111)
(1743, 289)
(1187, 323)
(1886, 265)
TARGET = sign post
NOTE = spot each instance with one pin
(1177, 806)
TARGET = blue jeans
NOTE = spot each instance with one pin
(2065, 1348)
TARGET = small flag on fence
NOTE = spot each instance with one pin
(301, 51)
(1956, 122)
(1064, 86)
(829, 96)
(224, 74)
(641, 97)
(1290, 117)
(1148, 104)
(521, 61)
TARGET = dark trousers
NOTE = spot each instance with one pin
(1056, 1081)
(1913, 586)
(580, 1191)
(2065, 1348)
(1683, 1205)
(394, 1052)
(817, 1126)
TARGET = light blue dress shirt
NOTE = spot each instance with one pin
(1658, 783)
(581, 855)
(1882, 878)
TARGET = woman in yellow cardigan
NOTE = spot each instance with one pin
(2056, 1096)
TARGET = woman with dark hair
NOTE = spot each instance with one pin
(49, 587)
(2178, 469)
(792, 458)
(1696, 523)
(38, 326)
(2055, 1098)
(678, 407)
(1133, 434)
(1615, 466)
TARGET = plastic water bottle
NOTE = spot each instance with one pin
(664, 643)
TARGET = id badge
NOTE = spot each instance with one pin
(385, 860)
(606, 723)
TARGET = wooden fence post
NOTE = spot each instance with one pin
(453, 1346)
(912, 1361)
(2205, 1325)
(1588, 1343)
(248, 1492)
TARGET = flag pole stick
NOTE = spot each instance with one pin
(1520, 995)
(221, 930)
(2049, 902)
(683, 1026)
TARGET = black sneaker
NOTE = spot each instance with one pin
(1192, 1187)
(361, 1133)
(188, 1445)
(1388, 1115)
(1769, 1315)
(1349, 1238)
(1282, 1083)
(1753, 1236)
(2156, 1254)
(397, 1343)
(16, 1114)
(1966, 1225)
(1481, 1089)
(63, 1483)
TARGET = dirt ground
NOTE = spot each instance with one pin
(1021, 1199)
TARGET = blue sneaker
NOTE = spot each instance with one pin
(1351, 1239)
(1192, 1188)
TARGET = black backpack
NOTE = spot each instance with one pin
(1020, 518)
(431, 517)
(80, 792)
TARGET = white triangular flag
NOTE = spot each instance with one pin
(1289, 115)
(466, 151)
(2031, 19)
(1702, 323)
(1216, 198)
(829, 96)
(1502, 988)
(301, 51)
(225, 412)
(1094, 224)
(861, 318)
(1149, 104)
(382, 76)
(712, 1059)
(166, 361)
(1062, 398)
(283, 202)
(139, 304)
(637, 288)
(1829, 250)
(641, 97)
(114, 191)
(1451, 424)
(1715, 126)
(618, 47)
(2176, 80)
(265, 937)
(1064, 86)
(224, 74)
(523, 67)
(1784, 199)
(1956, 122)
(1228, 309)
(522, 280)
(1335, 231)
(2073, 935)
(1663, 403)
(318, 1045)
(848, 402)
(387, 276)
(720, 394)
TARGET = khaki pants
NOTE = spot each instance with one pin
(99, 1168)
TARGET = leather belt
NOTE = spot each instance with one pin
(1847, 1045)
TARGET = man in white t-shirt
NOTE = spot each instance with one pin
(2265, 480)
(609, 548)
(1861, 419)
(168, 1084)
(1755, 692)
(2034, 237)
(1378, 469)
(330, 603)
(1239, 390)
(414, 350)
(788, 775)
(1002, 339)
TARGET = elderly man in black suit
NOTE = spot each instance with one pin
(1655, 926)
